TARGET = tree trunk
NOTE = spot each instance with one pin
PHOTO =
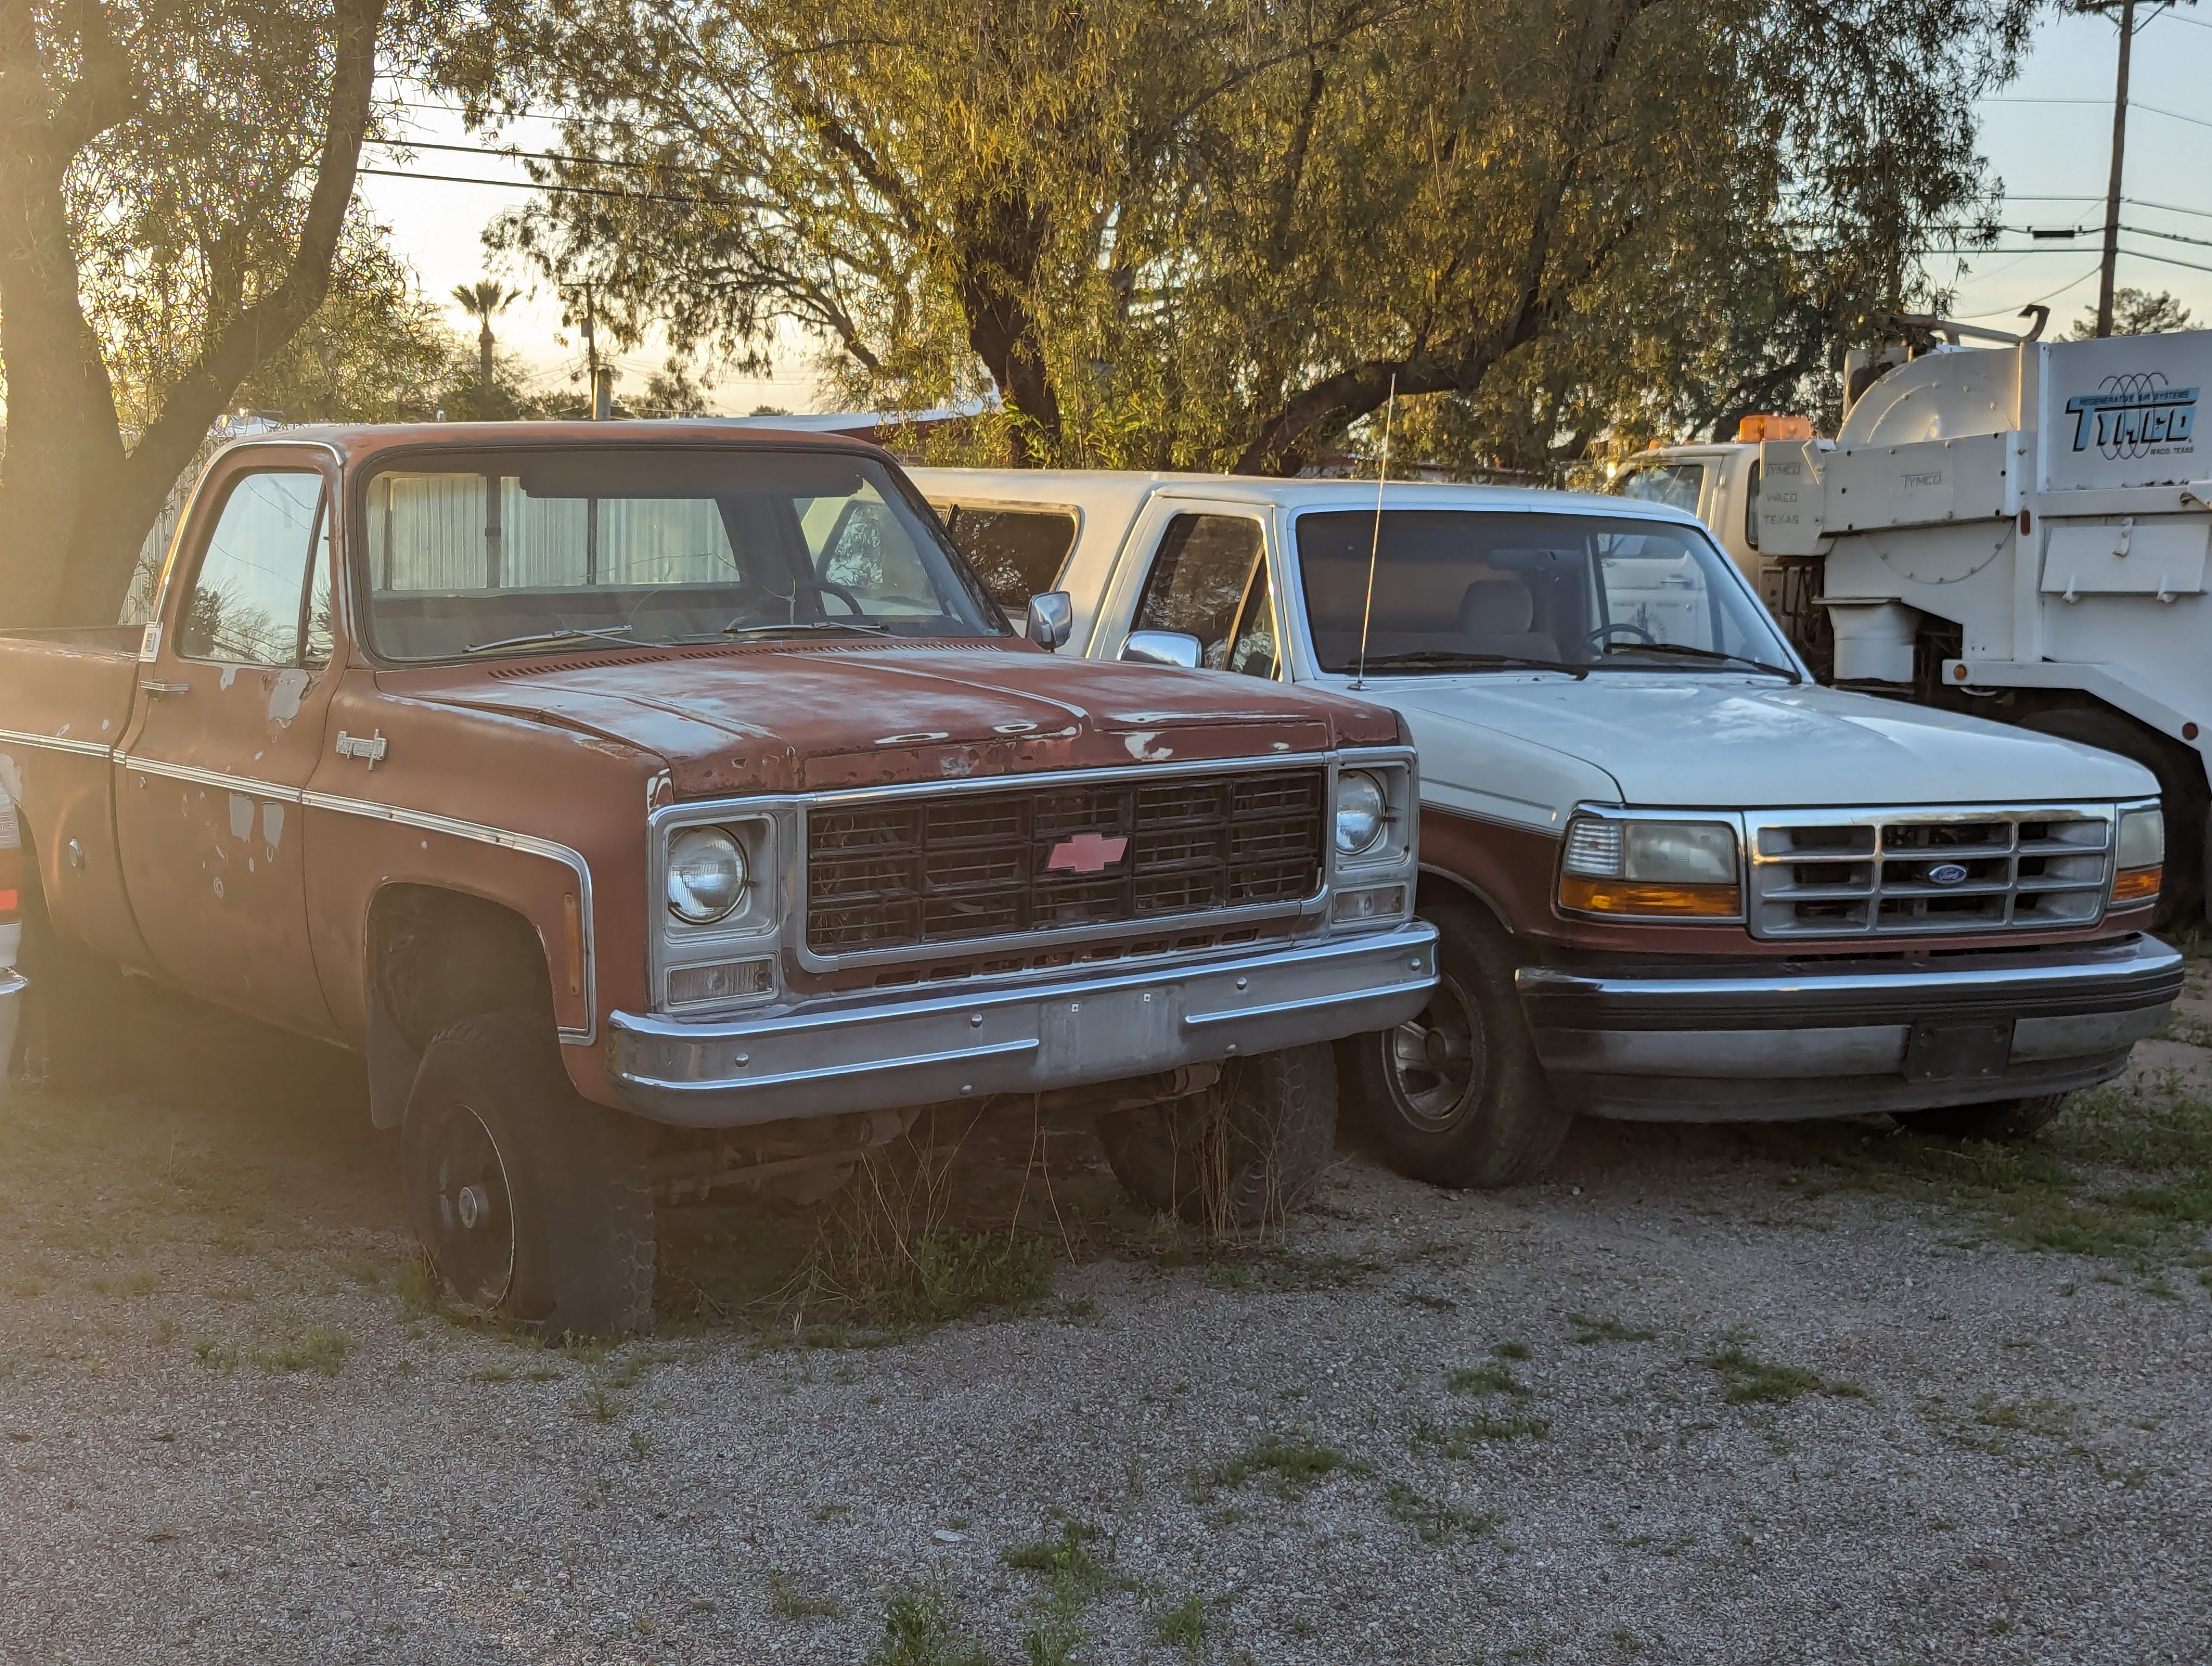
(483, 359)
(996, 243)
(75, 507)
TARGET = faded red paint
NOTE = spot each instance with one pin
(197, 882)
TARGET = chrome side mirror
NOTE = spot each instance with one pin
(1164, 647)
(1051, 617)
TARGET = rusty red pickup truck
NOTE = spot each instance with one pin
(668, 806)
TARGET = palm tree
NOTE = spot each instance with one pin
(484, 301)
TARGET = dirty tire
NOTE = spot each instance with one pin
(1242, 1154)
(531, 1201)
(2182, 792)
(2000, 1119)
(1457, 1096)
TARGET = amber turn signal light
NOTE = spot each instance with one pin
(1633, 899)
(2136, 885)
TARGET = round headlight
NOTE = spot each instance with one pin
(706, 874)
(1359, 811)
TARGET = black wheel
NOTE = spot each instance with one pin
(2000, 1119)
(2182, 791)
(1457, 1096)
(1241, 1154)
(530, 1200)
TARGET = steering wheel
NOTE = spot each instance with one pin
(826, 588)
(1602, 636)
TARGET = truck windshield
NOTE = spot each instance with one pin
(1460, 590)
(577, 548)
(1674, 484)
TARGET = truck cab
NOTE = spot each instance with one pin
(1675, 877)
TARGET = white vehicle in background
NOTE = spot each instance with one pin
(2021, 531)
(1676, 878)
(11, 933)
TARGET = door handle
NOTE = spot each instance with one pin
(147, 685)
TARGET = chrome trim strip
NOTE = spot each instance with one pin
(54, 743)
(2150, 956)
(831, 1072)
(521, 842)
(12, 983)
(245, 786)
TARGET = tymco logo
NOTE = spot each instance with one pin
(2137, 415)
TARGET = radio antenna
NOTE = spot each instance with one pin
(1374, 544)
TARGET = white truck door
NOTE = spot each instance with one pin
(1202, 569)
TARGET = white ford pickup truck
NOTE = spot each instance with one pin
(1676, 878)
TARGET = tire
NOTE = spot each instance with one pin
(1457, 1096)
(2182, 790)
(2000, 1119)
(1243, 1154)
(531, 1202)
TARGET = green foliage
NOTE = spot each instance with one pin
(1750, 1380)
(1464, 1438)
(919, 1630)
(1496, 1378)
(1436, 1523)
(2134, 313)
(1185, 1625)
(1189, 233)
(1293, 1464)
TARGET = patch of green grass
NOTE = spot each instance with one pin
(1476, 1380)
(597, 1404)
(1749, 1380)
(2042, 1416)
(1589, 1330)
(1511, 1350)
(2125, 1174)
(1436, 1523)
(1462, 1440)
(1186, 1626)
(220, 1358)
(955, 1276)
(787, 1600)
(319, 1347)
(1073, 1574)
(492, 1374)
(1293, 1465)
(919, 1630)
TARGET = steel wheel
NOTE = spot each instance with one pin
(1438, 1061)
(472, 1212)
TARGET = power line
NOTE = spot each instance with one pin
(563, 191)
(2152, 109)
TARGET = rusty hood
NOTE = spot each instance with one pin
(788, 717)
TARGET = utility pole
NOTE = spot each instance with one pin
(602, 384)
(2119, 152)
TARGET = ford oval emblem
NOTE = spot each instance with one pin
(1947, 874)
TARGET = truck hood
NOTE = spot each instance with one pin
(1713, 744)
(788, 717)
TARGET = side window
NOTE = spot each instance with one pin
(1018, 553)
(867, 554)
(1204, 582)
(250, 601)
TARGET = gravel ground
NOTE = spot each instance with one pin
(1828, 1395)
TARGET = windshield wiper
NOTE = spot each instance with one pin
(1714, 654)
(569, 633)
(1429, 659)
(733, 628)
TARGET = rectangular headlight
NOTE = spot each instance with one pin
(2139, 865)
(1637, 868)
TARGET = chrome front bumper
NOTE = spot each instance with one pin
(876, 1051)
(1825, 1040)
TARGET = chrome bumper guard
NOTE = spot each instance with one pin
(1819, 1043)
(12, 984)
(874, 1053)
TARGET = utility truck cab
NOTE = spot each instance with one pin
(1675, 877)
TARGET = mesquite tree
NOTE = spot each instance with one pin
(176, 182)
(1212, 233)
